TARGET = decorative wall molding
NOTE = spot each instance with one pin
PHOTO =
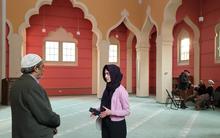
(75, 3)
(193, 27)
(31, 12)
(11, 30)
(60, 34)
(124, 13)
(148, 23)
(196, 46)
(169, 19)
(127, 22)
(90, 17)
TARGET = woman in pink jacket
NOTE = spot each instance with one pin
(114, 104)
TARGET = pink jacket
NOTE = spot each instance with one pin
(119, 104)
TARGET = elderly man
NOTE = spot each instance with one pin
(204, 100)
(32, 115)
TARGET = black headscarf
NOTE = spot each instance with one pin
(116, 77)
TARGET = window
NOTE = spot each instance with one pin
(184, 49)
(218, 45)
(69, 52)
(60, 52)
(52, 51)
(113, 53)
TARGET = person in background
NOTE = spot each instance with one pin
(114, 104)
(198, 90)
(203, 100)
(184, 84)
(32, 115)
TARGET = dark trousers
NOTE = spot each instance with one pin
(113, 129)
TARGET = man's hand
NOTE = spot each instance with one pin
(54, 131)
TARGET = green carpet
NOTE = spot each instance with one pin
(148, 119)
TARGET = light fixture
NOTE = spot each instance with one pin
(44, 30)
(77, 32)
(116, 35)
(201, 17)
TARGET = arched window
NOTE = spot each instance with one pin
(217, 43)
(114, 51)
(183, 48)
(60, 48)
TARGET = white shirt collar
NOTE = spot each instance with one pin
(34, 78)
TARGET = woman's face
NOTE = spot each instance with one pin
(107, 76)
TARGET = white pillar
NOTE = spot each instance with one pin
(2, 43)
(142, 68)
(94, 65)
(129, 69)
(196, 62)
(163, 69)
(102, 54)
(15, 54)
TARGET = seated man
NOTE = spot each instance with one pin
(203, 100)
(198, 90)
(217, 96)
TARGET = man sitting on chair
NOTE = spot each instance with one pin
(198, 90)
(203, 100)
(184, 84)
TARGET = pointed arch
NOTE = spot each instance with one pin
(148, 23)
(130, 39)
(90, 17)
(195, 43)
(10, 29)
(127, 23)
(169, 19)
(31, 12)
(193, 27)
(75, 3)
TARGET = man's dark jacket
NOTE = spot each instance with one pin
(32, 115)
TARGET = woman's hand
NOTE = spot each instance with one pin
(92, 115)
(105, 113)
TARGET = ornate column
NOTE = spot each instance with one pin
(102, 54)
(196, 62)
(142, 67)
(129, 69)
(164, 68)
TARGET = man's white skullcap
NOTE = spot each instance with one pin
(30, 60)
(211, 82)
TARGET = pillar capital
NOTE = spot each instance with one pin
(102, 43)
